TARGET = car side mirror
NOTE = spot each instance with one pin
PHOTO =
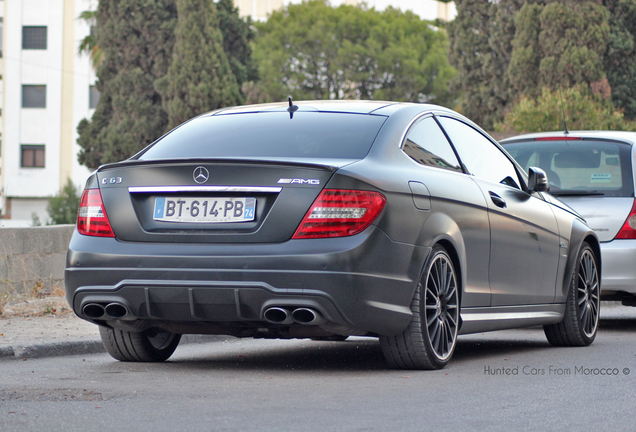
(537, 180)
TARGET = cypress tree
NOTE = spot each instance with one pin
(478, 58)
(237, 35)
(559, 44)
(199, 78)
(136, 37)
(509, 48)
(620, 58)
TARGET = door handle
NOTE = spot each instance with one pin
(499, 201)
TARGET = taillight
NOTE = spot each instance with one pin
(629, 227)
(340, 213)
(91, 217)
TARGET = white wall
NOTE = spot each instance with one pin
(84, 77)
(23, 209)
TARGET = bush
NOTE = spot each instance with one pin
(584, 110)
(63, 207)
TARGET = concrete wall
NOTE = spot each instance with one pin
(33, 258)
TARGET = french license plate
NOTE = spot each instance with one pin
(206, 210)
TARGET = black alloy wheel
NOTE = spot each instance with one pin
(580, 321)
(430, 339)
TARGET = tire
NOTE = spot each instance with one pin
(149, 346)
(582, 306)
(429, 340)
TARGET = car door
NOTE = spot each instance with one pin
(524, 245)
(447, 193)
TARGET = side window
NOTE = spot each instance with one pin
(426, 144)
(480, 156)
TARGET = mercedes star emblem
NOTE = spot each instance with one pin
(201, 174)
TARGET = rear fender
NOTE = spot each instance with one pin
(450, 236)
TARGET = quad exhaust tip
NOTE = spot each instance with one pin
(278, 315)
(307, 316)
(111, 310)
(116, 310)
(93, 310)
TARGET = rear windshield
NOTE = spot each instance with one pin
(270, 135)
(579, 167)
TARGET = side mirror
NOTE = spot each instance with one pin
(537, 180)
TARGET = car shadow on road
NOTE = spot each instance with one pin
(306, 355)
(351, 355)
(617, 324)
(362, 354)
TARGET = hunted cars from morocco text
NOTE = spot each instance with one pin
(554, 370)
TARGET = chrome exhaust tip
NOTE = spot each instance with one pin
(307, 316)
(116, 310)
(277, 315)
(93, 310)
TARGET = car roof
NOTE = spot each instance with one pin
(335, 106)
(626, 137)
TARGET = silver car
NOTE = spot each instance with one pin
(592, 172)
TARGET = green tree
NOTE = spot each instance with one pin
(237, 36)
(507, 48)
(523, 69)
(481, 45)
(62, 208)
(559, 44)
(136, 37)
(314, 51)
(199, 78)
(620, 58)
(584, 110)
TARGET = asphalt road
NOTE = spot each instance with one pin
(502, 381)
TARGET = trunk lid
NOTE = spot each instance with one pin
(219, 201)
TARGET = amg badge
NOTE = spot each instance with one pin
(299, 181)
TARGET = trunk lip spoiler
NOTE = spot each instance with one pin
(177, 189)
(315, 163)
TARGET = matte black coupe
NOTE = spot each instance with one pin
(328, 219)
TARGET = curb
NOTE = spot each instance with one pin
(80, 347)
(54, 349)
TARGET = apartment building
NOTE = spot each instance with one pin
(47, 88)
(46, 91)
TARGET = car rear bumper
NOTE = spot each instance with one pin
(364, 282)
(618, 271)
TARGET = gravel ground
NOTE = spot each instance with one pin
(45, 327)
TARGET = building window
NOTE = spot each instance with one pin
(32, 156)
(93, 97)
(33, 96)
(34, 37)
